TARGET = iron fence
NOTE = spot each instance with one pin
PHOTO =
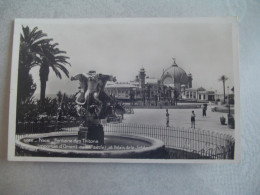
(181, 143)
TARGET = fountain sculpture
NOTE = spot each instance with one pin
(93, 105)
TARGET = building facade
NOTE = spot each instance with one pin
(174, 83)
(197, 94)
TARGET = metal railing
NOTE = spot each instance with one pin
(181, 143)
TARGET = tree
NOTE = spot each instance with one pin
(59, 96)
(223, 78)
(26, 86)
(51, 57)
(30, 44)
(36, 50)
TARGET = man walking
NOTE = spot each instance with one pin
(204, 110)
(193, 119)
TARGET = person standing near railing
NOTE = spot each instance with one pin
(193, 119)
(204, 109)
(167, 118)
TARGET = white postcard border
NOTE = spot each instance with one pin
(14, 79)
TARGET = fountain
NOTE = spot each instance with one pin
(93, 105)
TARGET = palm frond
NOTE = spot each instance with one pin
(56, 51)
(56, 71)
(25, 32)
(62, 68)
(34, 30)
(62, 59)
(42, 41)
(39, 34)
(55, 44)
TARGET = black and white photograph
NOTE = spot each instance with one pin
(140, 90)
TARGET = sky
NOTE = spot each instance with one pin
(121, 49)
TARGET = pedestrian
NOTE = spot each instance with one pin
(144, 98)
(167, 118)
(193, 119)
(204, 109)
(132, 97)
(156, 99)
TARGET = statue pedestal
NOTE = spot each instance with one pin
(92, 134)
(82, 133)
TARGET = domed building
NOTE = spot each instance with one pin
(176, 77)
(174, 82)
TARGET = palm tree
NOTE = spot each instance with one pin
(51, 57)
(223, 78)
(30, 44)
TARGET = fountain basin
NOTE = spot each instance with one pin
(66, 144)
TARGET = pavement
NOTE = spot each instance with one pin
(180, 118)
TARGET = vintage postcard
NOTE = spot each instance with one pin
(141, 90)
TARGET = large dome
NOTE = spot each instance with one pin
(174, 76)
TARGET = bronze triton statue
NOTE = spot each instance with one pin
(92, 104)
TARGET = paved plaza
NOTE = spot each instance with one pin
(180, 118)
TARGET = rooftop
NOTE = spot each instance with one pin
(120, 85)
